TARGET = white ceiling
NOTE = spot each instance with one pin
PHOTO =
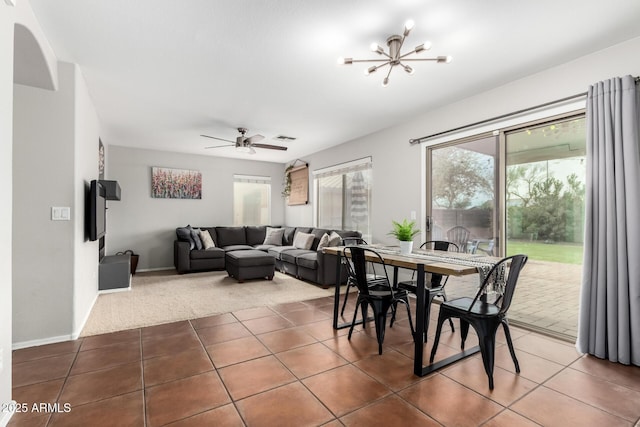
(162, 72)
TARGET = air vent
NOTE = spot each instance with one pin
(284, 138)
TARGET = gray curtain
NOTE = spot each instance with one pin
(609, 321)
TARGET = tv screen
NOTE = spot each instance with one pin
(97, 211)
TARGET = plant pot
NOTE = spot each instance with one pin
(406, 247)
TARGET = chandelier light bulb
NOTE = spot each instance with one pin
(449, 59)
(385, 82)
(408, 26)
(408, 69)
(424, 46)
(345, 61)
(370, 70)
(375, 47)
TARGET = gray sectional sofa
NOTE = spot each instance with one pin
(308, 264)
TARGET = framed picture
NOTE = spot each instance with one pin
(299, 185)
(169, 183)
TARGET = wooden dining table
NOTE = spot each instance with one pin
(440, 262)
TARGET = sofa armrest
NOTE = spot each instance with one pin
(181, 259)
(327, 269)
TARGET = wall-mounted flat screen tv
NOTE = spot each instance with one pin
(97, 218)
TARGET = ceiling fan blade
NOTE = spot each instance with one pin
(270, 147)
(221, 146)
(254, 138)
(251, 150)
(219, 139)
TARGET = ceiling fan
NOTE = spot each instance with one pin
(245, 144)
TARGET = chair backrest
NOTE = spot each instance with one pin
(515, 264)
(349, 241)
(459, 235)
(358, 256)
(439, 245)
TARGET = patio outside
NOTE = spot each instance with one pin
(547, 297)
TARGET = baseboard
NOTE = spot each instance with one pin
(76, 333)
(142, 270)
(43, 341)
(110, 291)
(6, 416)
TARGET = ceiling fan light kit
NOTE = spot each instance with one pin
(394, 56)
(245, 144)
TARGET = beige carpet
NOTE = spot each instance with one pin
(164, 296)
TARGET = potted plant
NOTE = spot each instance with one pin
(404, 232)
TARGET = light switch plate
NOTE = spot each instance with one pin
(60, 213)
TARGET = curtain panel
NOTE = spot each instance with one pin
(609, 320)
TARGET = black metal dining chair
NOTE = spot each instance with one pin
(434, 287)
(485, 317)
(379, 294)
(351, 280)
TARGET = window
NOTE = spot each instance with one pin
(519, 190)
(251, 200)
(343, 196)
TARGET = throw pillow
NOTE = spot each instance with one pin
(207, 241)
(303, 241)
(184, 234)
(324, 241)
(274, 236)
(195, 235)
(334, 239)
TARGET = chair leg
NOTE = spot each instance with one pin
(355, 315)
(507, 334)
(413, 330)
(444, 298)
(394, 307)
(393, 318)
(464, 331)
(381, 321)
(364, 306)
(436, 340)
(380, 309)
(346, 297)
(487, 340)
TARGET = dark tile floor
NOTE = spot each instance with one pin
(285, 365)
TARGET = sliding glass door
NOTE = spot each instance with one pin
(463, 203)
(545, 184)
(520, 191)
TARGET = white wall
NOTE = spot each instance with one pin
(43, 174)
(397, 183)
(6, 125)
(87, 134)
(147, 225)
(55, 157)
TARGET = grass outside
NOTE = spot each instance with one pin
(568, 253)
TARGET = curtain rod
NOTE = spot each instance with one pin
(503, 116)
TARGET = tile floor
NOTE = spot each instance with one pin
(285, 366)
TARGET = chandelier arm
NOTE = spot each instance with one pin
(407, 54)
(383, 65)
(420, 59)
(370, 60)
(390, 69)
(400, 47)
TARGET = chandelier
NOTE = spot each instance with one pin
(394, 57)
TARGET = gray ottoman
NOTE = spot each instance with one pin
(249, 264)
